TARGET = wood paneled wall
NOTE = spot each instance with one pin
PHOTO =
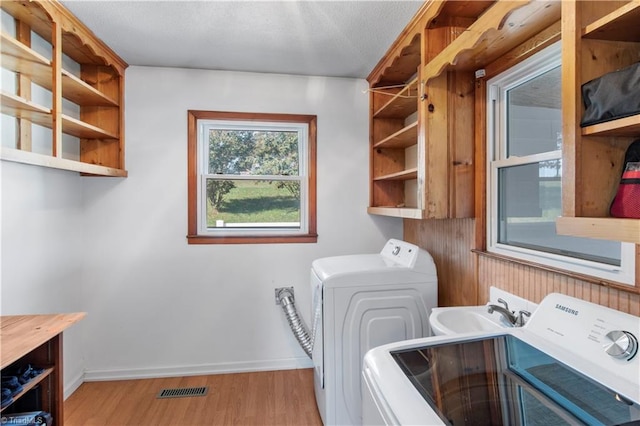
(449, 241)
(464, 278)
(533, 284)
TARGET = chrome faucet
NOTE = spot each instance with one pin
(510, 316)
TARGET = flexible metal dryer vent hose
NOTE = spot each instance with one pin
(295, 322)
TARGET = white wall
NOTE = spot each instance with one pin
(41, 237)
(158, 306)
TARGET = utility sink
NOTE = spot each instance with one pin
(465, 319)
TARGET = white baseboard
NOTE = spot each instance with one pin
(198, 370)
(71, 387)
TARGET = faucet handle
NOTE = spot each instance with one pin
(504, 302)
(520, 320)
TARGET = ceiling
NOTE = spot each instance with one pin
(305, 37)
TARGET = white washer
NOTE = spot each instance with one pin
(573, 363)
(360, 302)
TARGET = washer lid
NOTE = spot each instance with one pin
(504, 380)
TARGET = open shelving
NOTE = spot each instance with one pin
(422, 97)
(97, 88)
(603, 37)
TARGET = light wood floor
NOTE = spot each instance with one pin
(264, 398)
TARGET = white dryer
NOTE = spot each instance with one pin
(361, 302)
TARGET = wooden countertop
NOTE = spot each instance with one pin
(20, 334)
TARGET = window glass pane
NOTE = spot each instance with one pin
(250, 152)
(529, 200)
(534, 115)
(253, 203)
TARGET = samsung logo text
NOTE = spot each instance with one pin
(567, 310)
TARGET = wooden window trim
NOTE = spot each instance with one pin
(192, 178)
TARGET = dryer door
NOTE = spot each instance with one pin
(366, 317)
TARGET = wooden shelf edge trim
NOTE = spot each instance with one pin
(402, 212)
(606, 228)
(80, 129)
(627, 126)
(32, 158)
(402, 175)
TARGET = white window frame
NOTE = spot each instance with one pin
(537, 64)
(248, 229)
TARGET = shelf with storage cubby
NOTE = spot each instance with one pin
(603, 37)
(394, 142)
(423, 102)
(36, 340)
(403, 138)
(94, 83)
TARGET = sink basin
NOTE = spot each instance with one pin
(464, 319)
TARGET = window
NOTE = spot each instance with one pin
(251, 178)
(524, 132)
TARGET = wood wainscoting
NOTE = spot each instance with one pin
(534, 283)
(464, 277)
(449, 241)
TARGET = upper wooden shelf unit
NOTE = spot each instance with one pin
(97, 89)
(605, 36)
(424, 168)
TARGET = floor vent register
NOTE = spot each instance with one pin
(182, 392)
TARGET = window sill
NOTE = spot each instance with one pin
(582, 277)
(267, 239)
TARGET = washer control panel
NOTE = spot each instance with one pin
(621, 344)
(592, 334)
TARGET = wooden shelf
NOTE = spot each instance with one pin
(606, 228)
(30, 385)
(19, 58)
(403, 138)
(627, 126)
(16, 106)
(402, 104)
(79, 92)
(623, 24)
(80, 129)
(402, 212)
(402, 175)
(26, 157)
(97, 88)
(502, 27)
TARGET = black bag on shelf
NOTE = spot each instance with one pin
(612, 96)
